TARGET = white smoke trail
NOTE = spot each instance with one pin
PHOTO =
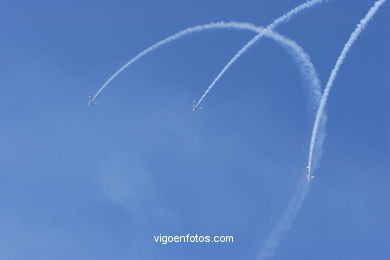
(285, 223)
(284, 18)
(154, 47)
(220, 25)
(318, 131)
(300, 57)
(318, 135)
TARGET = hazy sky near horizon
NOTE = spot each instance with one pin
(79, 182)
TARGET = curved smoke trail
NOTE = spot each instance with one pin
(284, 18)
(210, 26)
(292, 47)
(285, 223)
(318, 135)
(317, 132)
(301, 58)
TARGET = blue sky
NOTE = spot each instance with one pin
(99, 182)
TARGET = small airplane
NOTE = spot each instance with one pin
(195, 106)
(309, 177)
(91, 101)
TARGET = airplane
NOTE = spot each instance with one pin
(91, 101)
(195, 106)
(308, 175)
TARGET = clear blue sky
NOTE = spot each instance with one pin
(99, 182)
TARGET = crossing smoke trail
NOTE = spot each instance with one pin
(210, 26)
(292, 47)
(284, 18)
(300, 57)
(308, 72)
(268, 249)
